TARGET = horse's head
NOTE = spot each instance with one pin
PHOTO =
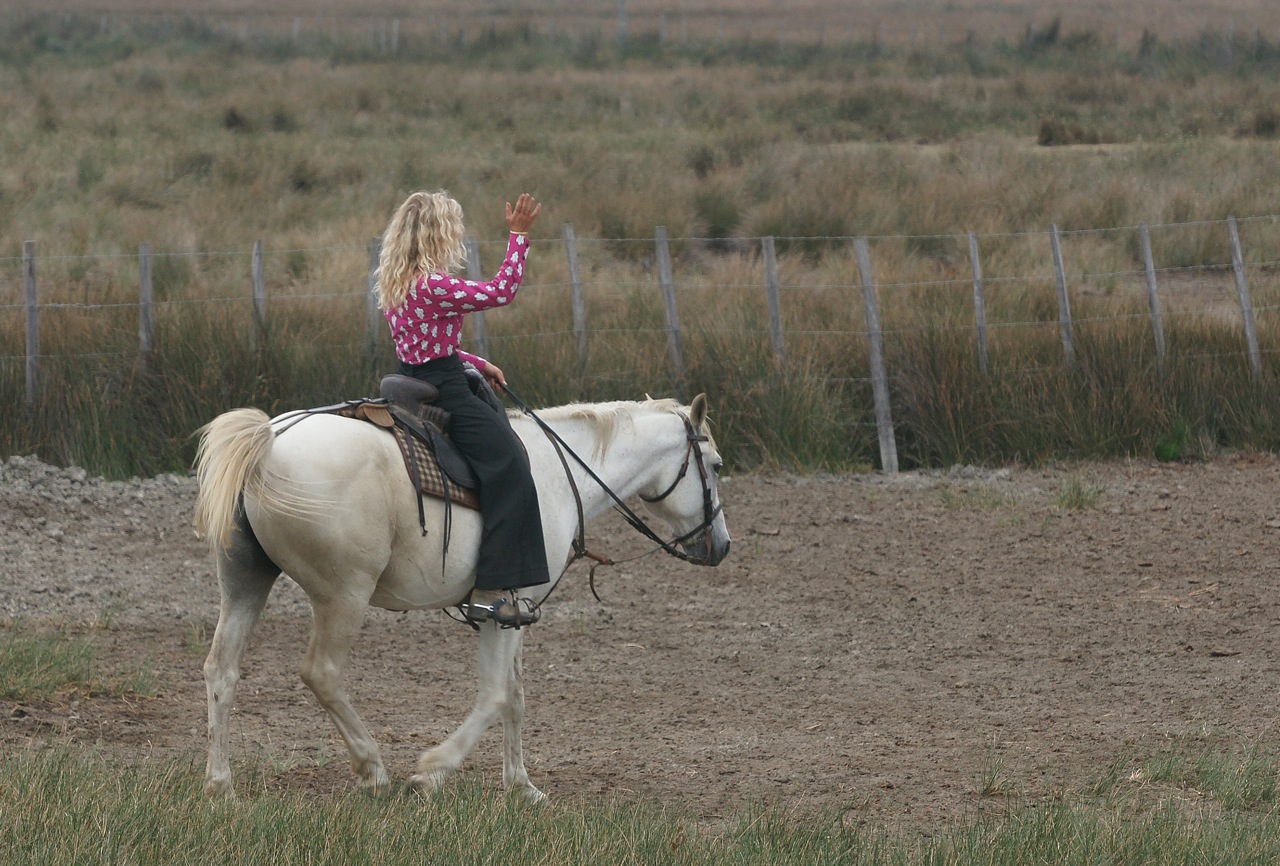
(684, 491)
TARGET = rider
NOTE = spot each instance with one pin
(425, 306)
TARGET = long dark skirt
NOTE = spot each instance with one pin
(512, 553)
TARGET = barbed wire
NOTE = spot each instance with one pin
(361, 296)
(948, 322)
(965, 283)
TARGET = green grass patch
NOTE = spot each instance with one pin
(67, 805)
(41, 664)
(1076, 494)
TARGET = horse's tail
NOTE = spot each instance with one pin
(229, 465)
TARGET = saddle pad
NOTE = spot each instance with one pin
(431, 481)
(418, 459)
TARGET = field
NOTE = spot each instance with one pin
(200, 138)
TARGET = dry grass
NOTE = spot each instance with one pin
(912, 22)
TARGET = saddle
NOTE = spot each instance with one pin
(406, 408)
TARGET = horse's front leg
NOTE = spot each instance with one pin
(498, 650)
(514, 776)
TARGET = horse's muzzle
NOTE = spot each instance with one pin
(703, 550)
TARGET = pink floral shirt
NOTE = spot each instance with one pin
(428, 325)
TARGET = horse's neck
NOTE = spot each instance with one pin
(627, 465)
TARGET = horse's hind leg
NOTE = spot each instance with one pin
(337, 625)
(246, 577)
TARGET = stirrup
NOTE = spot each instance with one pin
(506, 612)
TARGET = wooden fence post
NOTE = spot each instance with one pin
(979, 302)
(1246, 303)
(673, 315)
(259, 300)
(372, 315)
(1064, 301)
(1153, 295)
(775, 304)
(33, 320)
(479, 329)
(879, 376)
(146, 326)
(579, 303)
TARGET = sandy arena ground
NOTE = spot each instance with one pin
(884, 646)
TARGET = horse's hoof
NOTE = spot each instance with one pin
(219, 788)
(377, 790)
(530, 795)
(426, 784)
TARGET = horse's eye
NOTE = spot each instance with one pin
(717, 467)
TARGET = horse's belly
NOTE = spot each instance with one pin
(397, 598)
(419, 577)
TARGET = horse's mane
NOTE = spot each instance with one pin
(606, 417)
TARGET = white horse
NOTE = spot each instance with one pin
(329, 503)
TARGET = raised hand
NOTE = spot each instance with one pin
(520, 218)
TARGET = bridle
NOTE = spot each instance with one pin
(693, 453)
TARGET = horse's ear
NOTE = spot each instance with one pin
(698, 411)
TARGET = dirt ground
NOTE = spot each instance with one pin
(895, 647)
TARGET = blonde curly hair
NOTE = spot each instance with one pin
(423, 237)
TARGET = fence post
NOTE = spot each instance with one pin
(979, 302)
(775, 304)
(1246, 303)
(373, 316)
(259, 300)
(479, 329)
(673, 315)
(879, 376)
(1064, 302)
(33, 320)
(1153, 296)
(579, 304)
(146, 326)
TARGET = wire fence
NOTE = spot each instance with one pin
(26, 287)
(799, 300)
